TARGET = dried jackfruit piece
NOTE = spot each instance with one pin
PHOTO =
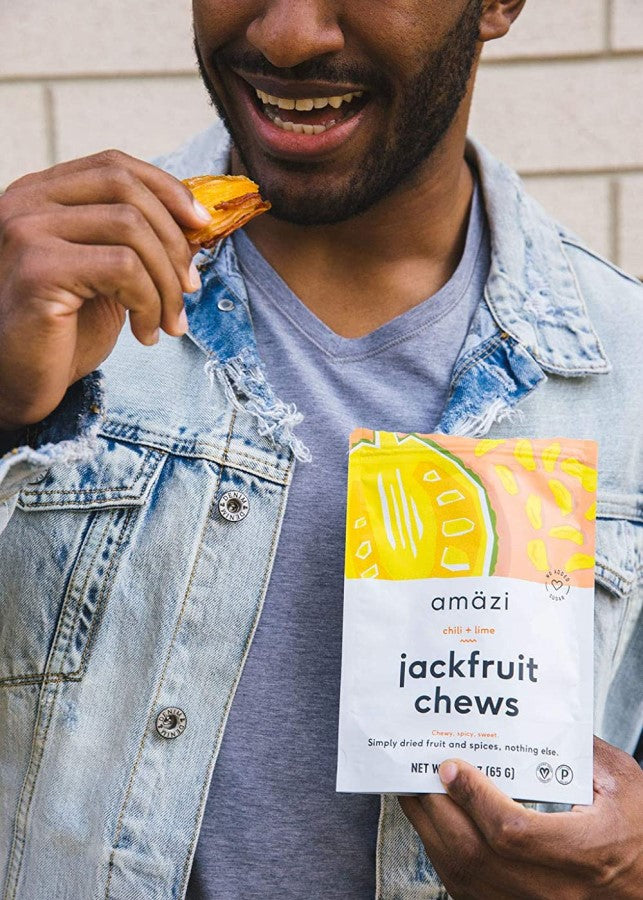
(231, 200)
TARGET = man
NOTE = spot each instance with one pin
(159, 737)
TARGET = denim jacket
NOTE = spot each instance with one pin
(130, 588)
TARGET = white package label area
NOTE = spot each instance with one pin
(493, 670)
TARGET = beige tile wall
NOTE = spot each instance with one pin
(560, 98)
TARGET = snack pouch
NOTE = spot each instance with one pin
(468, 614)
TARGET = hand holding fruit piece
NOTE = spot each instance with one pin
(231, 200)
(86, 242)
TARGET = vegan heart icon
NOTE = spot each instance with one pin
(557, 585)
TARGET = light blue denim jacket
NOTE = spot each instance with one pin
(125, 592)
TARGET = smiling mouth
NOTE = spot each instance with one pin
(303, 108)
(309, 115)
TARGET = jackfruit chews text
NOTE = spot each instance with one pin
(474, 666)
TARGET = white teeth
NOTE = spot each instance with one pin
(266, 98)
(287, 126)
(306, 104)
(298, 128)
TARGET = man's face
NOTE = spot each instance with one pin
(384, 79)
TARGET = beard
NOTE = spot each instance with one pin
(426, 107)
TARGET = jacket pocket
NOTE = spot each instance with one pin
(618, 599)
(59, 556)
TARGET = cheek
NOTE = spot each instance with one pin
(398, 36)
(217, 22)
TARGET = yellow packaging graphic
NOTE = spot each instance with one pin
(468, 613)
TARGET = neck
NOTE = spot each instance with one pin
(359, 274)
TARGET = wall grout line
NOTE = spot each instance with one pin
(50, 124)
(62, 77)
(579, 173)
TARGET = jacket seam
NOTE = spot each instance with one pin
(618, 644)
(379, 848)
(93, 491)
(477, 356)
(88, 574)
(120, 502)
(622, 576)
(569, 241)
(47, 697)
(104, 593)
(221, 458)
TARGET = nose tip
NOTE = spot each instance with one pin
(288, 33)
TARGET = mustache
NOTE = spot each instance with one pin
(252, 63)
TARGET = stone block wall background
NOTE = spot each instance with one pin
(560, 98)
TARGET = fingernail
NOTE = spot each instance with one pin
(448, 773)
(183, 321)
(201, 212)
(195, 278)
(151, 338)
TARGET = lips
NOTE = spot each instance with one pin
(302, 119)
(283, 87)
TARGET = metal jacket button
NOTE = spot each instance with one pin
(171, 722)
(225, 304)
(234, 506)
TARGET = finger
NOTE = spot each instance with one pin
(551, 839)
(112, 272)
(119, 186)
(462, 859)
(475, 862)
(171, 192)
(121, 224)
(104, 184)
(613, 769)
(450, 820)
(429, 835)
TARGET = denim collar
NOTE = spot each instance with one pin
(533, 306)
(532, 291)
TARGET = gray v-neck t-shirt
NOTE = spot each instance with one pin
(274, 827)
